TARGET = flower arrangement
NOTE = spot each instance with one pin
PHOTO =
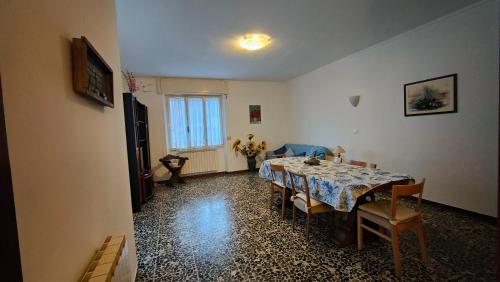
(250, 149)
(131, 81)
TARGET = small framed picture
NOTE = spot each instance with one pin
(431, 96)
(255, 115)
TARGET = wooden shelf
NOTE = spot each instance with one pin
(100, 100)
(140, 173)
(92, 76)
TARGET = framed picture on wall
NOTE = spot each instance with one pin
(255, 115)
(431, 96)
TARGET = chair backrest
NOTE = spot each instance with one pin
(278, 169)
(404, 191)
(360, 163)
(296, 185)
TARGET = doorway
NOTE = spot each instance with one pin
(9, 246)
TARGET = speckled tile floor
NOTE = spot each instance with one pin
(220, 228)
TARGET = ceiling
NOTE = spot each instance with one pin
(198, 38)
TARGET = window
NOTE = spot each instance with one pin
(194, 122)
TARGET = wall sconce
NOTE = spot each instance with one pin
(354, 100)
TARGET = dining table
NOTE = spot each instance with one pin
(340, 185)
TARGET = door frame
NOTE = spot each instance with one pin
(9, 244)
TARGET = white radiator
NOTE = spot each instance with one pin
(110, 262)
(200, 162)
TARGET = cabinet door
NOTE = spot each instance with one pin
(140, 185)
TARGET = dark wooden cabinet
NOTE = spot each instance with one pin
(139, 158)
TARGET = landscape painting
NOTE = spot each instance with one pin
(431, 96)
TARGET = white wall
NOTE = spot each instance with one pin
(272, 97)
(273, 129)
(68, 155)
(457, 153)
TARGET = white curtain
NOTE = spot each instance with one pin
(196, 122)
(213, 116)
(178, 123)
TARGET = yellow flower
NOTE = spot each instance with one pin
(250, 136)
(263, 145)
(236, 143)
(251, 144)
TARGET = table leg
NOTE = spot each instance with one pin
(345, 232)
(345, 224)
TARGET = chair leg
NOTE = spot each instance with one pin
(421, 240)
(308, 225)
(395, 250)
(283, 197)
(360, 233)
(294, 214)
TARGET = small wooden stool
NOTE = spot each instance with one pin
(174, 168)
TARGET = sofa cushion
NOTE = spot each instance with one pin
(281, 150)
(300, 150)
(289, 153)
(303, 154)
(311, 152)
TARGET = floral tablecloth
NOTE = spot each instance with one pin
(338, 185)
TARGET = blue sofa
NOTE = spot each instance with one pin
(300, 150)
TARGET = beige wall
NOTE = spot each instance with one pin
(68, 154)
(270, 95)
(457, 153)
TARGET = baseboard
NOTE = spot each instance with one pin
(218, 173)
(207, 174)
(188, 176)
(237, 171)
(488, 218)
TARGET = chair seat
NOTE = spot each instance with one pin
(300, 202)
(279, 183)
(382, 208)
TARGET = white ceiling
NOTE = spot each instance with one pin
(197, 38)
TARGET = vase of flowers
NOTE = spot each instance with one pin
(250, 150)
(131, 81)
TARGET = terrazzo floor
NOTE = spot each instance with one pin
(220, 228)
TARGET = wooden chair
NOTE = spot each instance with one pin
(360, 163)
(278, 187)
(302, 200)
(370, 195)
(396, 218)
(174, 168)
(329, 158)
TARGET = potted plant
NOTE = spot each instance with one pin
(250, 150)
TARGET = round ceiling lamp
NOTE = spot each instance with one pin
(254, 41)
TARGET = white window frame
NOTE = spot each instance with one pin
(189, 148)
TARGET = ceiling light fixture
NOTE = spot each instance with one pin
(254, 41)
